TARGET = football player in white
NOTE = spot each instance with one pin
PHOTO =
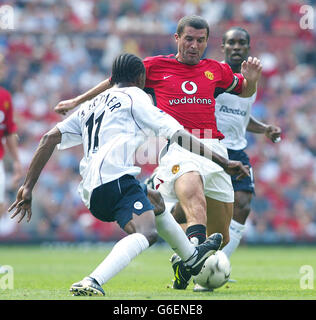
(184, 85)
(111, 127)
(233, 115)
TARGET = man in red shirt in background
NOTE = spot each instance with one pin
(185, 86)
(8, 135)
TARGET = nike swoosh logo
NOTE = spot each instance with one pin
(166, 77)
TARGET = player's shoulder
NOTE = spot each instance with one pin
(215, 63)
(130, 95)
(133, 90)
(159, 58)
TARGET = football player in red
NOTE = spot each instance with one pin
(8, 130)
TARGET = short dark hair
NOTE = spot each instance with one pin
(236, 29)
(193, 21)
(126, 68)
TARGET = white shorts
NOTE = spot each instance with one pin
(177, 161)
(2, 182)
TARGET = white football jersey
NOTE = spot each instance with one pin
(111, 127)
(232, 116)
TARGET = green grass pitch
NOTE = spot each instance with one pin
(46, 273)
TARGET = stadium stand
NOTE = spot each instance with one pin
(59, 49)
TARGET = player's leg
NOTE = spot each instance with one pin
(122, 200)
(193, 257)
(167, 227)
(155, 199)
(189, 190)
(179, 215)
(190, 193)
(242, 206)
(219, 215)
(237, 226)
(188, 259)
(214, 222)
(244, 189)
(141, 234)
(178, 178)
(181, 276)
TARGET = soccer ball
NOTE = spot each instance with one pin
(215, 271)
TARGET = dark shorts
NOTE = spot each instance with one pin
(118, 200)
(144, 187)
(246, 184)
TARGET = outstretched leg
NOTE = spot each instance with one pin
(142, 234)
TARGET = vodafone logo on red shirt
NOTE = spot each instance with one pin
(190, 89)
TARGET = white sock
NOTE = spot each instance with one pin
(172, 233)
(236, 231)
(121, 255)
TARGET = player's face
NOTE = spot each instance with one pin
(236, 47)
(191, 45)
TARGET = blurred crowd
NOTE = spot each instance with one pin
(59, 49)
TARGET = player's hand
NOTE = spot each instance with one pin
(66, 105)
(234, 168)
(273, 133)
(251, 69)
(22, 204)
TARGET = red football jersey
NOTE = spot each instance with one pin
(188, 92)
(7, 124)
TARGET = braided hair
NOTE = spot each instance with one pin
(126, 68)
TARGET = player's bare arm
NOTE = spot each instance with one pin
(251, 70)
(23, 202)
(189, 142)
(66, 105)
(272, 132)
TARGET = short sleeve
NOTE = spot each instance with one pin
(71, 131)
(230, 82)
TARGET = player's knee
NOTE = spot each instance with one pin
(151, 235)
(242, 208)
(143, 224)
(157, 201)
(148, 228)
